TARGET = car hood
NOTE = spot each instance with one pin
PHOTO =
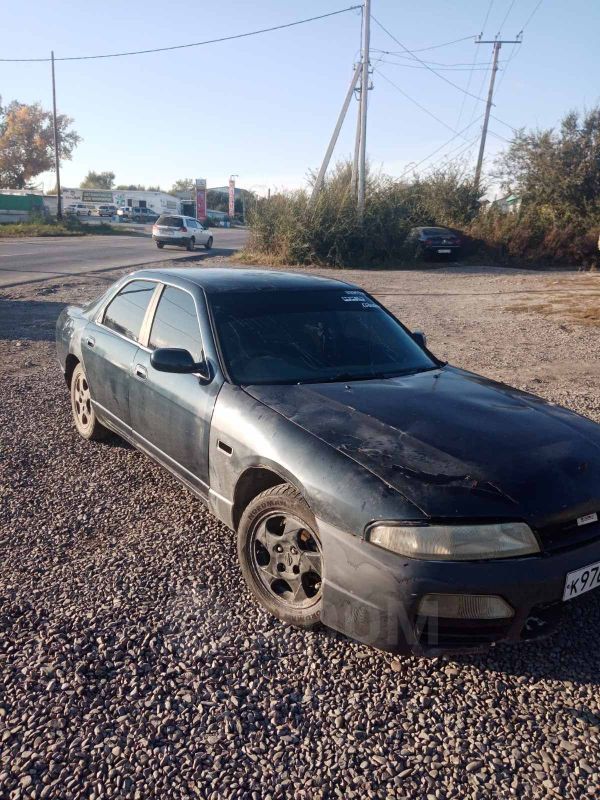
(455, 444)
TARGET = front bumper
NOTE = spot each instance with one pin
(372, 595)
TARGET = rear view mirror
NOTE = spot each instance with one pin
(420, 338)
(177, 360)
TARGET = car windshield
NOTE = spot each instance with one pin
(169, 222)
(314, 336)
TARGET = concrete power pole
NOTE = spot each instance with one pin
(336, 132)
(56, 156)
(497, 45)
(364, 90)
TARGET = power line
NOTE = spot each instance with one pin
(437, 46)
(416, 102)
(442, 69)
(441, 147)
(487, 16)
(442, 77)
(506, 16)
(533, 13)
(193, 44)
(398, 54)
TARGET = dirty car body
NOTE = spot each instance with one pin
(453, 512)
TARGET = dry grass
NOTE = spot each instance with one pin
(570, 302)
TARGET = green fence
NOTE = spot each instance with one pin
(20, 202)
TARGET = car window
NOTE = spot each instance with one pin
(125, 313)
(192, 223)
(176, 323)
(169, 221)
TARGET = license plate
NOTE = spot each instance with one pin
(582, 580)
(445, 251)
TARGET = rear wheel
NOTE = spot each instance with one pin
(280, 555)
(209, 243)
(191, 243)
(81, 404)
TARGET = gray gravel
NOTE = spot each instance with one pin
(134, 664)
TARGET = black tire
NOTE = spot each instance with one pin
(160, 245)
(284, 573)
(209, 243)
(191, 243)
(89, 213)
(84, 415)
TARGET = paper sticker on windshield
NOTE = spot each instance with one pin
(358, 297)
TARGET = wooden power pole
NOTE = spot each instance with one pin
(56, 155)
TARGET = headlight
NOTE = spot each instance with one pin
(456, 542)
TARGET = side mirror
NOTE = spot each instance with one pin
(420, 338)
(177, 360)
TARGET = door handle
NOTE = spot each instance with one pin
(90, 341)
(141, 371)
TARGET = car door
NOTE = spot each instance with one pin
(202, 234)
(171, 413)
(109, 344)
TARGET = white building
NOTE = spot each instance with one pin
(157, 201)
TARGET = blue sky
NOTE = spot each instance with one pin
(264, 107)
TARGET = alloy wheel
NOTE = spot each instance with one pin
(286, 558)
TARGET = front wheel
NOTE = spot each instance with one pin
(281, 557)
(209, 243)
(81, 404)
(160, 245)
(191, 243)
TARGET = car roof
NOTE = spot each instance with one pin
(216, 280)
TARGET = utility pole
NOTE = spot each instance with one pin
(497, 45)
(56, 156)
(354, 178)
(364, 90)
(336, 132)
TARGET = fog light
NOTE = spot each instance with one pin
(465, 606)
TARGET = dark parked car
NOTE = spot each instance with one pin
(428, 242)
(374, 488)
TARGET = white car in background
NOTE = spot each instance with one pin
(180, 231)
(78, 210)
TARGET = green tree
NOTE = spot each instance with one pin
(183, 185)
(98, 180)
(131, 187)
(27, 143)
(558, 170)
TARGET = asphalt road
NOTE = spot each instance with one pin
(34, 259)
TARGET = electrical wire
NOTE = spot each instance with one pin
(437, 46)
(416, 102)
(442, 77)
(398, 54)
(193, 44)
(487, 16)
(531, 16)
(442, 69)
(441, 147)
(506, 16)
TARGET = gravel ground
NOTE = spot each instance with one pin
(135, 665)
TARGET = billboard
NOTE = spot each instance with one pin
(201, 198)
(231, 197)
(96, 196)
